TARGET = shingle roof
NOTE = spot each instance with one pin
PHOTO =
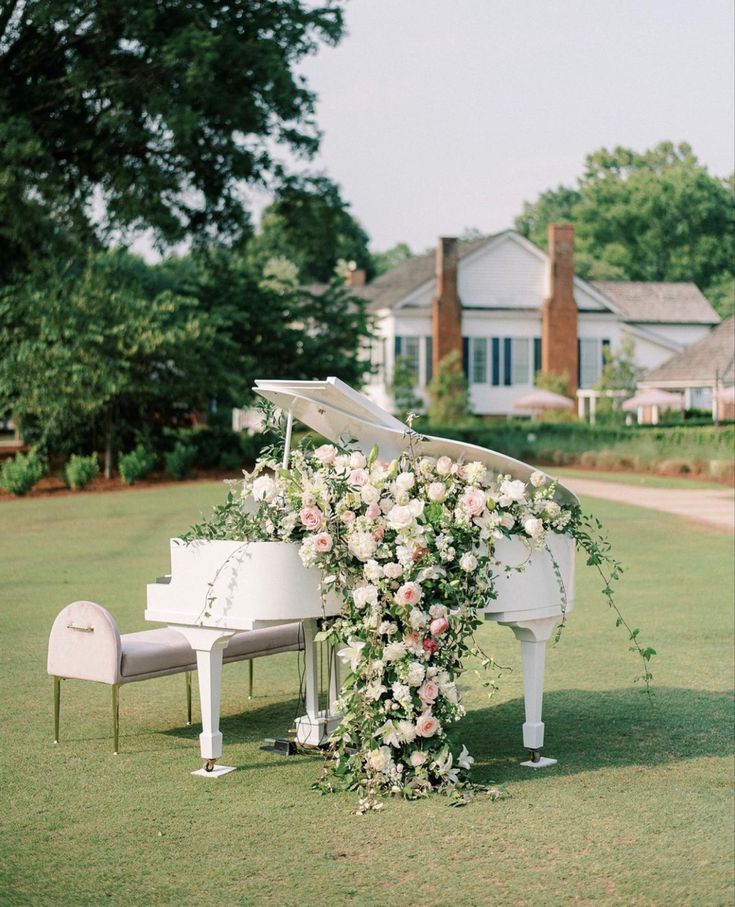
(388, 289)
(658, 302)
(701, 361)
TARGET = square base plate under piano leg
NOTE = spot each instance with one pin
(316, 731)
(543, 762)
(216, 772)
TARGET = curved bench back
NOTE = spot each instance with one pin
(85, 644)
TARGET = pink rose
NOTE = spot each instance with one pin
(409, 594)
(311, 518)
(427, 725)
(373, 512)
(347, 517)
(443, 466)
(473, 501)
(323, 542)
(439, 626)
(358, 477)
(431, 646)
(428, 691)
(378, 533)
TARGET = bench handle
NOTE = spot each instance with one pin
(80, 629)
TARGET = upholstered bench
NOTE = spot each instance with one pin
(86, 644)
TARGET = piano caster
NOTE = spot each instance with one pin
(536, 760)
(209, 765)
(210, 769)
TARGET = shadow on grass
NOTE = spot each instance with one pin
(585, 730)
(590, 729)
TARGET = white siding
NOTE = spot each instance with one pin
(503, 275)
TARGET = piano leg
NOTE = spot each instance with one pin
(314, 728)
(533, 636)
(209, 644)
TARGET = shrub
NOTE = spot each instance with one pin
(136, 464)
(80, 470)
(21, 473)
(449, 393)
(178, 462)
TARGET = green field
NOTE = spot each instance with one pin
(638, 811)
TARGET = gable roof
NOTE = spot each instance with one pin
(391, 287)
(653, 302)
(701, 361)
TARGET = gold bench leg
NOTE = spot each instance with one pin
(188, 698)
(57, 707)
(115, 717)
(250, 678)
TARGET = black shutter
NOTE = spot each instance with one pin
(508, 361)
(496, 360)
(536, 355)
(397, 346)
(429, 352)
(466, 357)
(605, 352)
(579, 363)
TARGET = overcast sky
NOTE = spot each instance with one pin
(444, 114)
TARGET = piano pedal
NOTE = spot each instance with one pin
(536, 760)
(281, 746)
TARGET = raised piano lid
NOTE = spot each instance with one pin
(348, 418)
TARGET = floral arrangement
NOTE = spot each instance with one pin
(408, 544)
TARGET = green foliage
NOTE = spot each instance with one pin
(403, 389)
(449, 393)
(21, 473)
(136, 465)
(620, 371)
(80, 470)
(655, 215)
(178, 462)
(721, 295)
(309, 224)
(550, 381)
(161, 110)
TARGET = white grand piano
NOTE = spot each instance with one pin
(217, 589)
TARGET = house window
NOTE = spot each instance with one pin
(377, 359)
(410, 348)
(590, 361)
(520, 360)
(478, 360)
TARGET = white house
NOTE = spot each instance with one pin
(511, 309)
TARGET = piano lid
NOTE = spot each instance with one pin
(348, 418)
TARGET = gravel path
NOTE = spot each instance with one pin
(713, 506)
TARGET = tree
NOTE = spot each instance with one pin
(550, 381)
(620, 372)
(309, 224)
(449, 393)
(656, 215)
(91, 345)
(161, 111)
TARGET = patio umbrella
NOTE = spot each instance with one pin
(654, 397)
(540, 400)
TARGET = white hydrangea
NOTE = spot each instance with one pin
(415, 674)
(362, 545)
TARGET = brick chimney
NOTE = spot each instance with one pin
(355, 278)
(559, 353)
(446, 307)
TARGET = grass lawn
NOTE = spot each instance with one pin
(638, 811)
(645, 479)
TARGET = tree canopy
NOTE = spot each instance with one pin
(655, 215)
(118, 116)
(309, 224)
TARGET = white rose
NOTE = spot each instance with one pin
(357, 460)
(415, 674)
(552, 510)
(373, 571)
(443, 466)
(426, 466)
(533, 527)
(326, 454)
(417, 619)
(437, 492)
(264, 489)
(365, 595)
(437, 611)
(362, 545)
(369, 494)
(417, 758)
(393, 571)
(512, 492)
(507, 521)
(405, 481)
(468, 562)
(400, 517)
(537, 479)
(380, 759)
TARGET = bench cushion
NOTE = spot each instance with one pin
(149, 653)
